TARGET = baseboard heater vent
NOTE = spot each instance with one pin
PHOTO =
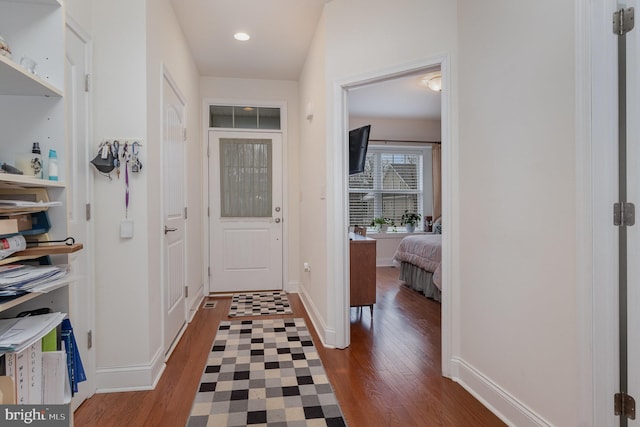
(210, 303)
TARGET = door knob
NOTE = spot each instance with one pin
(168, 229)
(277, 220)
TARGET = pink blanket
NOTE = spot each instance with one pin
(424, 251)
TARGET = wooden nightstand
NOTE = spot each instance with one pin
(362, 258)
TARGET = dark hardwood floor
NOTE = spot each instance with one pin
(389, 376)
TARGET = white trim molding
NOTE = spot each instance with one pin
(326, 335)
(337, 206)
(499, 401)
(131, 378)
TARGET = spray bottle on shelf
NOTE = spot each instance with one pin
(53, 165)
(36, 160)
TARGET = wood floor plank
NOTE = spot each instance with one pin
(389, 376)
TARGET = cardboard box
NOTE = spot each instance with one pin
(24, 222)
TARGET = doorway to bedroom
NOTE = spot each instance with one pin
(402, 175)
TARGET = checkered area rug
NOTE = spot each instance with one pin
(259, 304)
(264, 373)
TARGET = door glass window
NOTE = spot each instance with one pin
(245, 177)
(244, 117)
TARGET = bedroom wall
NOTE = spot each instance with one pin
(230, 89)
(518, 289)
(396, 128)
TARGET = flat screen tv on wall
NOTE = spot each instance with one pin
(358, 143)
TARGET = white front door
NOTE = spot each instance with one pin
(173, 192)
(78, 196)
(246, 213)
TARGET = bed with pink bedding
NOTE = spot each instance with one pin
(420, 258)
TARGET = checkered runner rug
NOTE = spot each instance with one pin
(264, 373)
(259, 304)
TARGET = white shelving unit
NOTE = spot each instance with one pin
(32, 109)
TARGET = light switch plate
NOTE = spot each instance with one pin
(126, 229)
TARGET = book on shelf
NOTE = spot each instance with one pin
(74, 363)
(8, 226)
(22, 377)
(35, 373)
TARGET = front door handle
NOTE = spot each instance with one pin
(168, 229)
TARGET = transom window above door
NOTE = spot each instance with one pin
(244, 117)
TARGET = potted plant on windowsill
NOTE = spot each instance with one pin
(409, 220)
(381, 224)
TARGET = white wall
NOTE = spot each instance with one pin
(120, 111)
(399, 33)
(517, 251)
(313, 189)
(126, 85)
(399, 129)
(81, 12)
(514, 341)
(236, 90)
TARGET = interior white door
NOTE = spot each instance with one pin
(633, 232)
(78, 196)
(173, 191)
(246, 213)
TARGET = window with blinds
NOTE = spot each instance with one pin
(391, 183)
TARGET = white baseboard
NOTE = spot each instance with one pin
(292, 287)
(196, 304)
(326, 335)
(499, 401)
(384, 262)
(131, 378)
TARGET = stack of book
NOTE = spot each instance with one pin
(39, 360)
(16, 279)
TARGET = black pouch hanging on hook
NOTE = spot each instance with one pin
(104, 164)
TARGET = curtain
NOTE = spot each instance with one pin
(245, 177)
(436, 170)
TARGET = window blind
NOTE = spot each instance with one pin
(391, 183)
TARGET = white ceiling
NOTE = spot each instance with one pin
(401, 97)
(281, 32)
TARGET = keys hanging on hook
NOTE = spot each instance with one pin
(115, 151)
(136, 165)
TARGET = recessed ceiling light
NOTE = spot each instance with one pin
(243, 37)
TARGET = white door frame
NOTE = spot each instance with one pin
(206, 248)
(338, 206)
(166, 75)
(88, 323)
(599, 303)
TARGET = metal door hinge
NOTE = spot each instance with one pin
(624, 214)
(88, 211)
(623, 21)
(209, 271)
(89, 340)
(185, 213)
(86, 82)
(625, 405)
(208, 211)
(186, 292)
